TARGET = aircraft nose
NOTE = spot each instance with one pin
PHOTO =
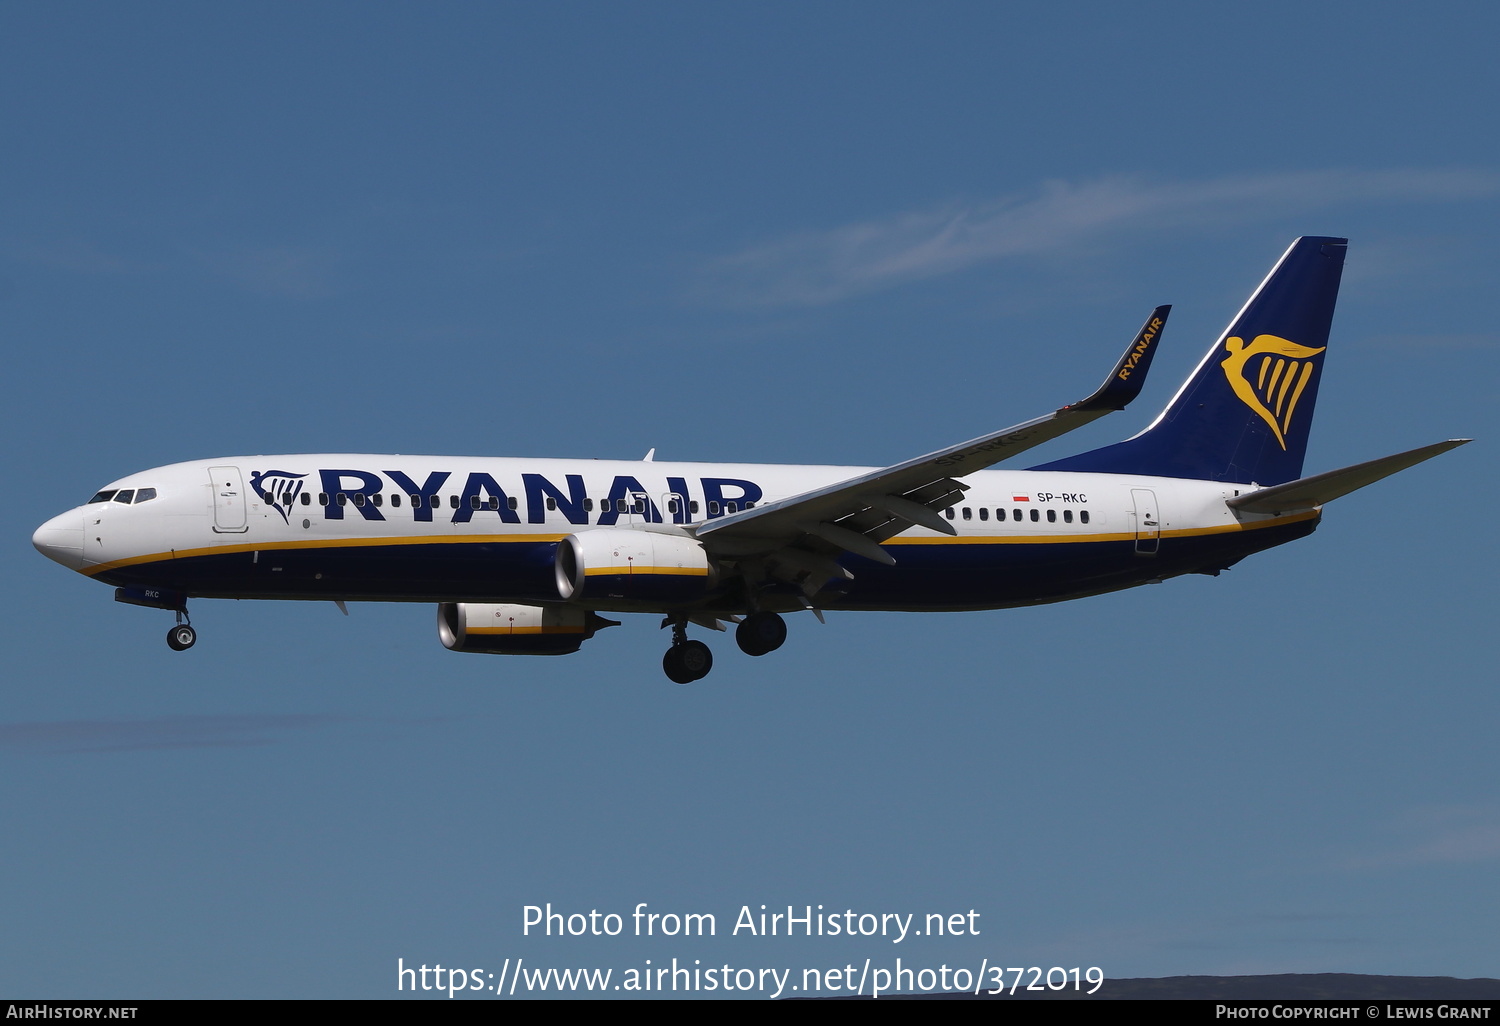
(61, 539)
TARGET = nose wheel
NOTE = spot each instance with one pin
(181, 638)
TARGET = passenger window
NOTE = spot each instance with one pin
(416, 500)
(731, 507)
(604, 506)
(512, 502)
(494, 502)
(359, 498)
(713, 509)
(968, 513)
(1035, 516)
(147, 494)
(1083, 516)
(396, 499)
(343, 499)
(1017, 514)
(672, 505)
(102, 497)
(948, 512)
(306, 498)
(693, 506)
(322, 498)
(551, 503)
(378, 498)
(452, 501)
(125, 495)
(1067, 516)
(473, 502)
(1052, 516)
(984, 513)
(749, 505)
(588, 505)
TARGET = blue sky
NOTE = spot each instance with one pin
(833, 233)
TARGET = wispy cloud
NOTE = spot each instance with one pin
(1453, 834)
(225, 731)
(297, 272)
(815, 268)
(80, 256)
(1461, 340)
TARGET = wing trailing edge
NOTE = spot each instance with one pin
(800, 537)
(857, 514)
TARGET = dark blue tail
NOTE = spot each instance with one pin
(1244, 415)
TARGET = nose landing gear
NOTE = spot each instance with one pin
(182, 637)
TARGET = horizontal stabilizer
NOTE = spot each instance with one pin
(1310, 492)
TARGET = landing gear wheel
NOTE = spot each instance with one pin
(760, 633)
(181, 638)
(687, 662)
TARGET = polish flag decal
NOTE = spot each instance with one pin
(1020, 498)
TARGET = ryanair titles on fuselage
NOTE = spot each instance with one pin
(343, 493)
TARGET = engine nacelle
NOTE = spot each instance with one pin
(513, 629)
(633, 566)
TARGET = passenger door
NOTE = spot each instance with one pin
(230, 505)
(1147, 522)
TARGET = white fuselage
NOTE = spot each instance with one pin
(434, 528)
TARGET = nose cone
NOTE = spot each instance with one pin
(61, 539)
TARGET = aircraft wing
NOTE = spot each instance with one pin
(858, 514)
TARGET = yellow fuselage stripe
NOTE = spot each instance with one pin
(524, 630)
(1063, 539)
(683, 571)
(325, 543)
(504, 539)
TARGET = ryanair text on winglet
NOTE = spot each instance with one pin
(1142, 344)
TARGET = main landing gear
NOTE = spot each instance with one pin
(760, 633)
(687, 661)
(182, 637)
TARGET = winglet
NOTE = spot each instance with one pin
(1126, 380)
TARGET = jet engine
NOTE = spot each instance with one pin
(513, 629)
(634, 566)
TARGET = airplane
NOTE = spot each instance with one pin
(523, 556)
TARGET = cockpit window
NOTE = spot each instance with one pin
(125, 495)
(103, 497)
(146, 495)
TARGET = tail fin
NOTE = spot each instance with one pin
(1244, 414)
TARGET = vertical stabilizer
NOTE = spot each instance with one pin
(1244, 414)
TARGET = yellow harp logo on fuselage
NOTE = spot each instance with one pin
(1283, 372)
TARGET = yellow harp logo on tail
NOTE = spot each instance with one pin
(1283, 371)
